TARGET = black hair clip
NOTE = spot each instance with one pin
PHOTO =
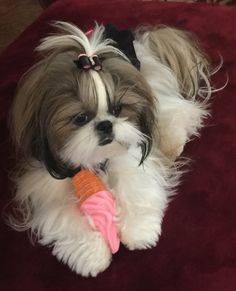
(86, 62)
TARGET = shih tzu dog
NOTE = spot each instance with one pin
(122, 104)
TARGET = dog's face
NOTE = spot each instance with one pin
(68, 117)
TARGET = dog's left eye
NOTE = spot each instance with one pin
(81, 119)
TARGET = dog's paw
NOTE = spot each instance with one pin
(85, 257)
(140, 236)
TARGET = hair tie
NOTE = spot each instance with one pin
(86, 62)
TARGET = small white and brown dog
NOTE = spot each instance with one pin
(124, 113)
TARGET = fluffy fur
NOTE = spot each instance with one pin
(151, 114)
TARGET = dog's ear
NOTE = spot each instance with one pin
(180, 51)
(30, 122)
(24, 124)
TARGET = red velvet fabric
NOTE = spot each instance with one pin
(197, 249)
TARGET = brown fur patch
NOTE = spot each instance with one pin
(180, 51)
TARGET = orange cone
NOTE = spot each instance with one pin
(86, 183)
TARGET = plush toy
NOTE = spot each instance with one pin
(98, 204)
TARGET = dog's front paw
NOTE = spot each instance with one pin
(86, 257)
(140, 236)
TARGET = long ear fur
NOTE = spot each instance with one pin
(180, 51)
(28, 129)
(23, 121)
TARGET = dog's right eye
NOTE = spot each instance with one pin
(81, 119)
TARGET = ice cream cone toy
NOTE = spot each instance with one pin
(96, 202)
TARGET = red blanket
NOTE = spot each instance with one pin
(197, 249)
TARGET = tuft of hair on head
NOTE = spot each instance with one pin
(71, 38)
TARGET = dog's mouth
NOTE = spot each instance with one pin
(106, 140)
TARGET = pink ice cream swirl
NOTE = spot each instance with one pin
(100, 207)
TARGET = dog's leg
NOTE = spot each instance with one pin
(57, 222)
(141, 194)
(179, 121)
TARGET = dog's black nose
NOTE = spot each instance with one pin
(104, 127)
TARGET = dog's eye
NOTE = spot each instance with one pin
(116, 110)
(81, 119)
